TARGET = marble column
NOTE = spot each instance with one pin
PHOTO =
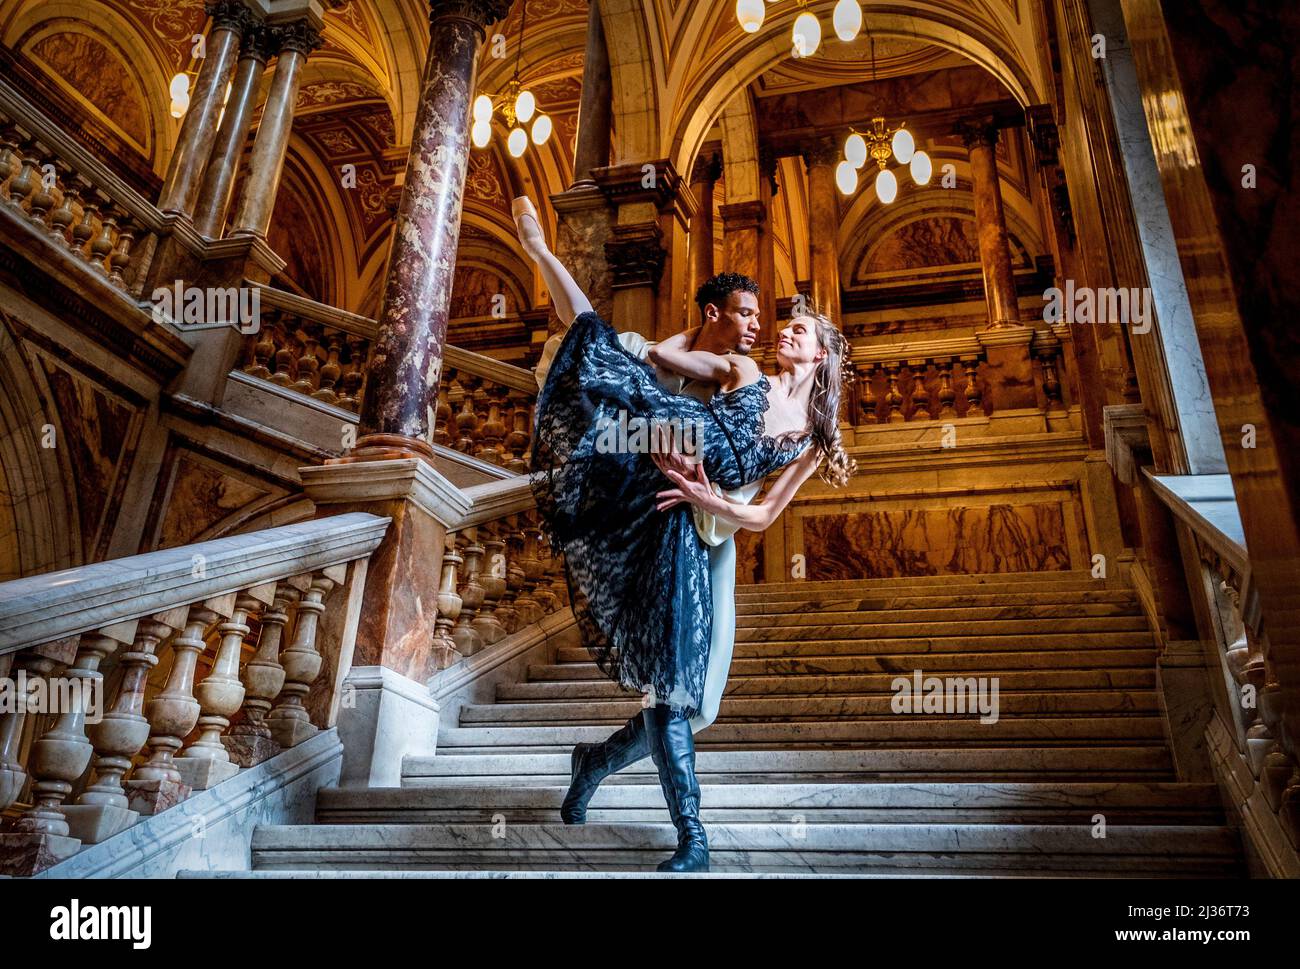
(199, 129)
(406, 359)
(995, 254)
(219, 180)
(742, 232)
(296, 40)
(595, 109)
(704, 176)
(823, 225)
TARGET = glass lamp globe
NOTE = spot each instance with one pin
(807, 34)
(886, 186)
(542, 129)
(750, 14)
(846, 177)
(855, 149)
(482, 108)
(517, 142)
(525, 105)
(921, 168)
(847, 19)
(480, 133)
(903, 146)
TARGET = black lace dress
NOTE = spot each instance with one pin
(638, 577)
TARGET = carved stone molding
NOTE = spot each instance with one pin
(635, 255)
(480, 13)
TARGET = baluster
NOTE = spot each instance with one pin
(262, 346)
(11, 165)
(308, 362)
(892, 396)
(559, 582)
(543, 593)
(249, 742)
(443, 645)
(58, 759)
(466, 637)
(920, 396)
(507, 610)
(867, 402)
(517, 441)
(290, 722)
(120, 257)
(442, 417)
(467, 421)
(330, 369)
(356, 373)
(969, 366)
(492, 578)
(103, 810)
(156, 784)
(41, 201)
(206, 762)
(84, 231)
(946, 393)
(28, 179)
(65, 212)
(286, 355)
(527, 607)
(493, 431)
(12, 773)
(101, 247)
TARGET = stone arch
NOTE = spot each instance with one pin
(636, 90)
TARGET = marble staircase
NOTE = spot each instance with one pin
(807, 770)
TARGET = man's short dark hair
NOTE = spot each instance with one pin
(717, 288)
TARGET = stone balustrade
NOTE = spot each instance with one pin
(252, 633)
(1206, 505)
(51, 181)
(905, 382)
(499, 573)
(485, 407)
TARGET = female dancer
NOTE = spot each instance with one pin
(639, 576)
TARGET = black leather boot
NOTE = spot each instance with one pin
(592, 763)
(673, 748)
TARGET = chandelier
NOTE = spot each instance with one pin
(517, 105)
(881, 143)
(806, 34)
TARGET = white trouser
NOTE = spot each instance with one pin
(722, 576)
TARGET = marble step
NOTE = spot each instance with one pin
(721, 766)
(560, 739)
(295, 874)
(793, 709)
(1127, 850)
(933, 663)
(1006, 628)
(803, 685)
(1012, 616)
(989, 581)
(884, 602)
(1080, 644)
(867, 802)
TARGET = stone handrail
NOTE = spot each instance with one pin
(55, 605)
(294, 592)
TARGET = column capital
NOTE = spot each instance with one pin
(1043, 133)
(635, 255)
(627, 183)
(480, 13)
(822, 150)
(300, 36)
(978, 133)
(231, 15)
(744, 215)
(259, 42)
(707, 167)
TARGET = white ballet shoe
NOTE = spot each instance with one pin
(530, 234)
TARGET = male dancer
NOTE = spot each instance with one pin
(729, 309)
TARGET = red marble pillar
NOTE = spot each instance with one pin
(824, 224)
(595, 109)
(406, 361)
(230, 18)
(742, 232)
(995, 255)
(219, 180)
(296, 41)
(705, 174)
